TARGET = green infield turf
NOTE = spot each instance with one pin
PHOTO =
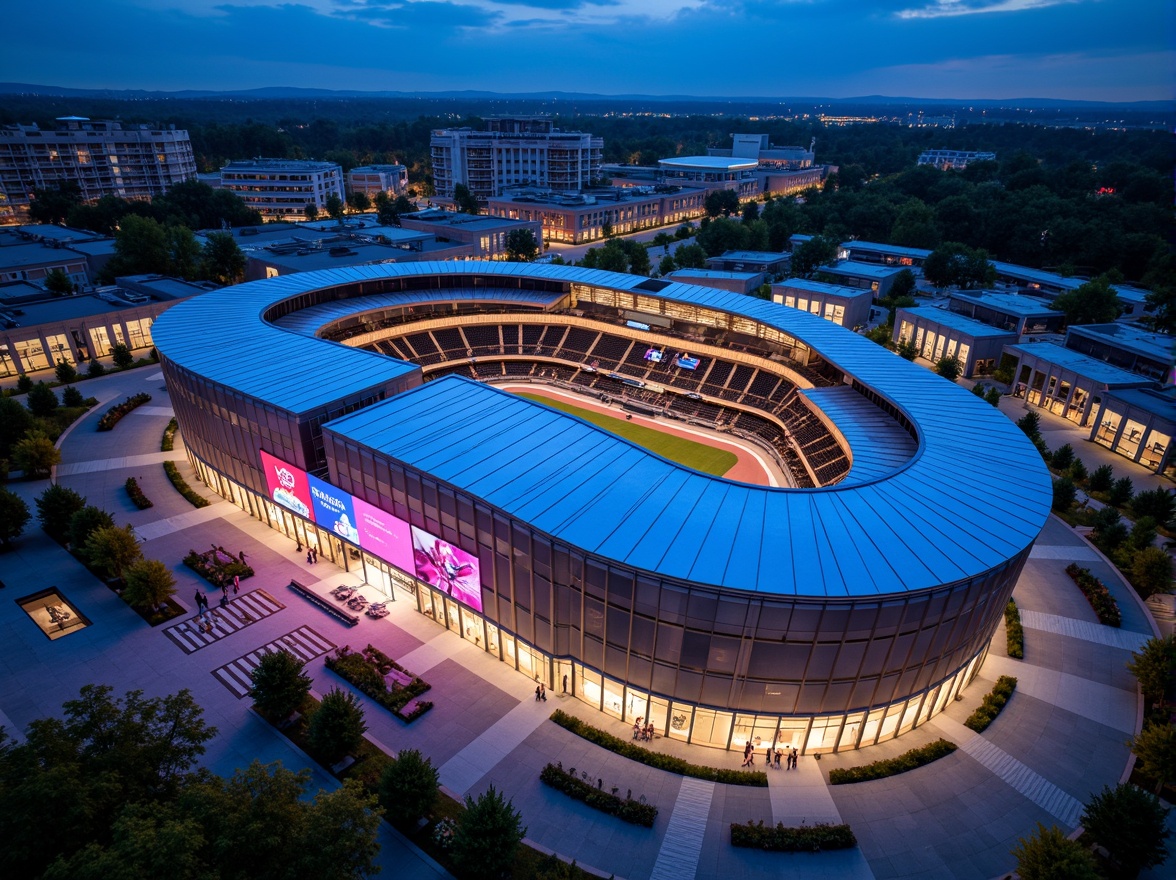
(690, 453)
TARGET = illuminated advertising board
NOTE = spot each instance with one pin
(382, 534)
(287, 484)
(686, 362)
(448, 568)
(334, 509)
(653, 355)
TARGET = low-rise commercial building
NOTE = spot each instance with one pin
(1138, 424)
(1021, 314)
(847, 306)
(33, 261)
(371, 180)
(866, 276)
(348, 249)
(946, 160)
(712, 173)
(485, 234)
(283, 188)
(1128, 346)
(939, 333)
(573, 219)
(736, 282)
(768, 262)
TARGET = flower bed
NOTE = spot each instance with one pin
(366, 671)
(993, 703)
(177, 480)
(169, 436)
(140, 500)
(624, 808)
(114, 415)
(1096, 594)
(803, 838)
(657, 759)
(892, 766)
(217, 566)
(1014, 633)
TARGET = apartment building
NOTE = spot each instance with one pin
(374, 179)
(103, 158)
(513, 151)
(282, 188)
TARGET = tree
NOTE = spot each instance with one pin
(993, 396)
(336, 728)
(612, 257)
(906, 348)
(638, 256)
(55, 507)
(751, 211)
(690, 256)
(1121, 491)
(721, 202)
(58, 283)
(150, 583)
(1050, 855)
(949, 367)
(521, 246)
(53, 205)
(14, 516)
(1155, 747)
(1062, 457)
(42, 400)
(667, 265)
(1143, 533)
(65, 372)
(1154, 667)
(95, 369)
(280, 684)
(903, 285)
(221, 260)
(1129, 822)
(956, 265)
(310, 212)
(721, 235)
(464, 200)
(15, 422)
(359, 202)
(1156, 503)
(84, 523)
(141, 246)
(335, 207)
(112, 549)
(84, 768)
(487, 836)
(1109, 532)
(1101, 478)
(183, 252)
(35, 455)
(123, 359)
(814, 253)
(1151, 571)
(408, 787)
(1095, 302)
(915, 226)
(1064, 494)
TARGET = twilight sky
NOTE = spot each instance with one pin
(1111, 50)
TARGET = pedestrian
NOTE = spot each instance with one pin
(543, 692)
(315, 551)
(792, 758)
(779, 753)
(224, 600)
(225, 589)
(565, 683)
(236, 584)
(538, 693)
(768, 757)
(199, 601)
(241, 555)
(309, 558)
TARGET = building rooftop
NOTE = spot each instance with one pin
(879, 444)
(1130, 337)
(35, 254)
(890, 249)
(67, 308)
(261, 164)
(713, 273)
(862, 270)
(754, 256)
(1036, 276)
(1009, 303)
(50, 232)
(1157, 402)
(956, 321)
(1068, 359)
(821, 287)
(708, 163)
(456, 220)
(332, 255)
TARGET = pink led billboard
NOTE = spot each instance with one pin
(384, 535)
(287, 484)
(448, 568)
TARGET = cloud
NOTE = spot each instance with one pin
(417, 14)
(953, 8)
(556, 4)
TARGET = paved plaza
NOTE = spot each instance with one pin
(1061, 738)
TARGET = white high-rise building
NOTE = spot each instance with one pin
(103, 158)
(514, 151)
(282, 188)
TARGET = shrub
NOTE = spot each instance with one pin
(140, 500)
(24, 384)
(1014, 632)
(1121, 491)
(169, 437)
(626, 809)
(1101, 478)
(1156, 503)
(893, 766)
(366, 672)
(122, 356)
(992, 704)
(993, 396)
(177, 480)
(337, 726)
(1077, 471)
(85, 522)
(1151, 572)
(1062, 457)
(408, 787)
(805, 838)
(1096, 593)
(65, 372)
(1064, 493)
(1129, 822)
(41, 400)
(1108, 533)
(657, 759)
(95, 369)
(1050, 855)
(150, 583)
(114, 415)
(217, 566)
(14, 516)
(487, 836)
(280, 684)
(71, 397)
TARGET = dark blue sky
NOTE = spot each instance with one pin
(1113, 50)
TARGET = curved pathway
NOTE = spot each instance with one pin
(1059, 740)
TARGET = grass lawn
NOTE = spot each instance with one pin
(699, 456)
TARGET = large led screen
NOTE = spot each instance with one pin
(287, 484)
(333, 509)
(449, 569)
(384, 535)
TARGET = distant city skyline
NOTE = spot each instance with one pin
(965, 49)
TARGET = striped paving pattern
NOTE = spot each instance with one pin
(681, 847)
(304, 643)
(1082, 629)
(1062, 806)
(242, 611)
(1068, 552)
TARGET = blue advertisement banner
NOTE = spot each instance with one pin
(333, 509)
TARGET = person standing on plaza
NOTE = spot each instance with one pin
(236, 584)
(792, 758)
(543, 692)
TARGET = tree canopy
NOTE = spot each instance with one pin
(1094, 302)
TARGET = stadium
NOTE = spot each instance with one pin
(835, 606)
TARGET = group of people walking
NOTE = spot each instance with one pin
(773, 756)
(541, 693)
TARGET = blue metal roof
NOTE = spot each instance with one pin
(1019, 304)
(940, 517)
(1068, 359)
(879, 444)
(956, 321)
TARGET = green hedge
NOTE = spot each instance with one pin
(657, 759)
(177, 480)
(114, 415)
(624, 808)
(892, 766)
(140, 500)
(1096, 594)
(993, 703)
(168, 443)
(1014, 633)
(366, 671)
(804, 838)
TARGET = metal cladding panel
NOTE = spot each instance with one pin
(945, 513)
